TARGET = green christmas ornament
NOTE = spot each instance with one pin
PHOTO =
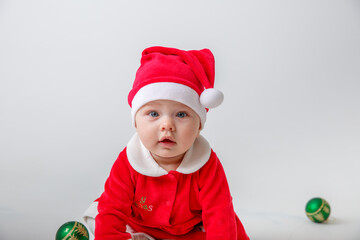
(317, 210)
(72, 231)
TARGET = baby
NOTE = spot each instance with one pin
(168, 183)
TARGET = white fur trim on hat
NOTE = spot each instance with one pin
(168, 91)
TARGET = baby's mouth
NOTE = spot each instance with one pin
(167, 140)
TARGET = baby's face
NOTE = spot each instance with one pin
(167, 129)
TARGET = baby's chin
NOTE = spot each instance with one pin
(169, 157)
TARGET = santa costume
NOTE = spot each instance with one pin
(141, 200)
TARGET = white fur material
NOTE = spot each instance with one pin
(89, 217)
(168, 91)
(142, 161)
(211, 98)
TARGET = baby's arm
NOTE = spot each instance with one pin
(114, 205)
(218, 214)
(89, 218)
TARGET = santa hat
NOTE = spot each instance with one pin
(173, 74)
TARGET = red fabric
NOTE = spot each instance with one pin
(195, 69)
(168, 207)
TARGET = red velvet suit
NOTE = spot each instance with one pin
(169, 206)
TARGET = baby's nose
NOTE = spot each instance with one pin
(167, 124)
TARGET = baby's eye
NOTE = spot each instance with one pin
(181, 114)
(153, 114)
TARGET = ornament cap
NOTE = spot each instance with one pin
(211, 98)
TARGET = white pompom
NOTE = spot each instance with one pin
(211, 98)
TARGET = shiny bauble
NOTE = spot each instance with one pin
(317, 210)
(72, 231)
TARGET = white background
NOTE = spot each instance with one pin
(288, 130)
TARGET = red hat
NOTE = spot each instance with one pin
(172, 74)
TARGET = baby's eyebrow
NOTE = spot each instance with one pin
(149, 106)
(152, 105)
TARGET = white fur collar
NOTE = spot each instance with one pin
(142, 161)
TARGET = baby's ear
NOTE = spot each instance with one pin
(134, 121)
(198, 134)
